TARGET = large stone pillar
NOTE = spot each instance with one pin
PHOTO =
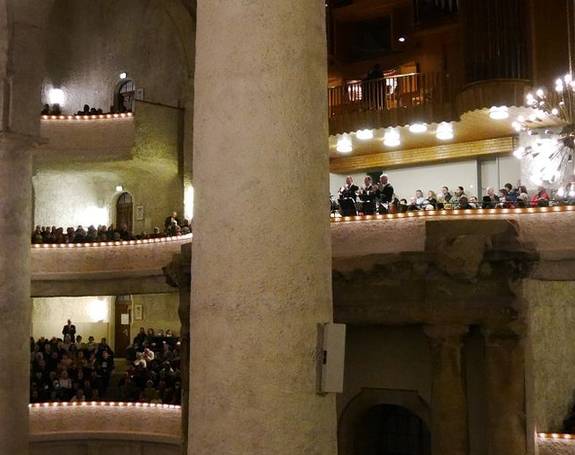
(449, 433)
(15, 302)
(506, 414)
(262, 261)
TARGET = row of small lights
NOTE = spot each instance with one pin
(456, 212)
(443, 132)
(123, 404)
(555, 436)
(118, 243)
(392, 138)
(87, 117)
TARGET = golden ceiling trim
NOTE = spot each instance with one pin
(422, 155)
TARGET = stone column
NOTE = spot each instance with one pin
(15, 302)
(261, 259)
(448, 403)
(506, 415)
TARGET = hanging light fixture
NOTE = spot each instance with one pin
(344, 144)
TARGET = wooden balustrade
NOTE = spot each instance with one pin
(390, 101)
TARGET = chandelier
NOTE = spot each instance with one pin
(548, 152)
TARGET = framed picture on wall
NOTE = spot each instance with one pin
(138, 313)
(140, 213)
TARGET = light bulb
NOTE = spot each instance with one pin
(444, 132)
(56, 96)
(364, 135)
(418, 128)
(540, 93)
(344, 144)
(519, 153)
(499, 113)
(391, 138)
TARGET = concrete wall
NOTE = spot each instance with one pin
(159, 311)
(82, 190)
(114, 430)
(93, 42)
(551, 309)
(92, 316)
(386, 358)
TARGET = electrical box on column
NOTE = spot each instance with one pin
(331, 357)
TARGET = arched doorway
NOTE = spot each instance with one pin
(124, 211)
(125, 96)
(388, 429)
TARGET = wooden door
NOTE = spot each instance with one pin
(122, 319)
(124, 211)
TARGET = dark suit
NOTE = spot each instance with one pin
(368, 199)
(347, 198)
(384, 197)
(169, 220)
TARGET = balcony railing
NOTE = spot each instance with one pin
(390, 101)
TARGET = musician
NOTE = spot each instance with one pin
(367, 195)
(384, 194)
(347, 197)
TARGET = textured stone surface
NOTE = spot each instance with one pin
(261, 263)
(114, 430)
(408, 235)
(556, 447)
(146, 166)
(551, 310)
(128, 422)
(74, 271)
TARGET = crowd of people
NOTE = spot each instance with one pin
(67, 368)
(56, 109)
(102, 233)
(154, 373)
(380, 197)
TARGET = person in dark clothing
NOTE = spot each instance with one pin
(347, 197)
(367, 196)
(169, 220)
(69, 329)
(384, 194)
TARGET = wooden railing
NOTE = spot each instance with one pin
(390, 101)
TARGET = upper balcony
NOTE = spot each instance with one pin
(92, 138)
(391, 101)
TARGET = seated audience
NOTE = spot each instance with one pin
(541, 198)
(66, 369)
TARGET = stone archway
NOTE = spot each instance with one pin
(350, 421)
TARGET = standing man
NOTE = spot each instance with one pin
(69, 329)
(171, 219)
(384, 193)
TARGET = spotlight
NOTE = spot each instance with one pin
(123, 75)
